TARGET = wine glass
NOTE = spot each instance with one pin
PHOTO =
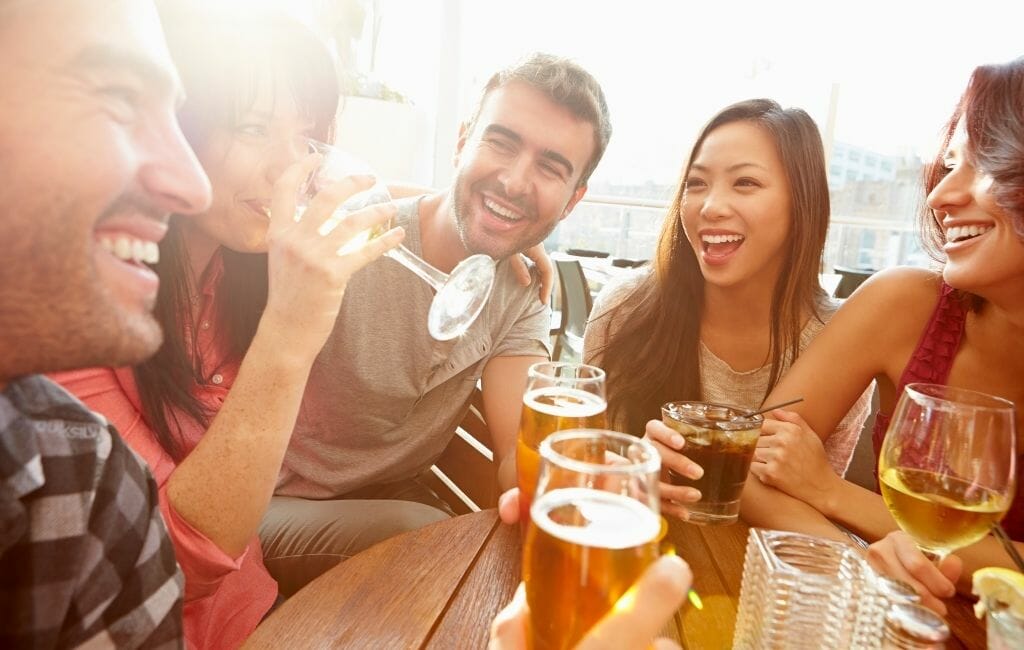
(947, 468)
(460, 295)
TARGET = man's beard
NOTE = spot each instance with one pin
(462, 220)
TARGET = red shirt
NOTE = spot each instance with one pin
(225, 597)
(932, 362)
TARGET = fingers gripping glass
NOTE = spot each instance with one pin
(947, 468)
(460, 295)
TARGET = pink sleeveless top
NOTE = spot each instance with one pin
(931, 362)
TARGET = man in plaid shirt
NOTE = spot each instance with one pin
(93, 162)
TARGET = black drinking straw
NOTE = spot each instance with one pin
(1004, 539)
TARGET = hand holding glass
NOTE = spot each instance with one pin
(721, 439)
(947, 468)
(461, 294)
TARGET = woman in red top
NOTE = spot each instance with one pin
(963, 327)
(247, 299)
(212, 412)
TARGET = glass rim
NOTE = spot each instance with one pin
(535, 371)
(320, 144)
(721, 425)
(650, 465)
(962, 397)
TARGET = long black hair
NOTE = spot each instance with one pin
(222, 58)
(653, 357)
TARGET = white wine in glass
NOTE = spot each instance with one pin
(460, 295)
(947, 468)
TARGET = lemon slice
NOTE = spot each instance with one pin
(995, 584)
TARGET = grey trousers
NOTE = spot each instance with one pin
(302, 538)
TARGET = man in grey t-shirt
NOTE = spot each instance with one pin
(383, 399)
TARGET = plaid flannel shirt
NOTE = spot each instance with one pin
(84, 555)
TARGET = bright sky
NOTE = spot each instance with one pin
(666, 67)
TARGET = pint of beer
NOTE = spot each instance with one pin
(558, 396)
(594, 528)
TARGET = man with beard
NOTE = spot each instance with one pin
(93, 163)
(384, 399)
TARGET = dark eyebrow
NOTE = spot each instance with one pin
(551, 155)
(102, 57)
(730, 168)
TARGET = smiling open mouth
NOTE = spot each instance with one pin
(963, 233)
(721, 245)
(130, 249)
(502, 213)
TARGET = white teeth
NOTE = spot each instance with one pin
(720, 239)
(123, 248)
(131, 250)
(500, 211)
(960, 233)
(152, 253)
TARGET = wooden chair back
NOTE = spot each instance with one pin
(465, 475)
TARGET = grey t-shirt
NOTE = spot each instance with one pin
(383, 397)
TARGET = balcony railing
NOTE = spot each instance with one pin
(628, 227)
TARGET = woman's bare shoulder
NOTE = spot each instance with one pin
(906, 289)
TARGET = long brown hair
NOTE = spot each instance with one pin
(652, 357)
(222, 57)
(992, 109)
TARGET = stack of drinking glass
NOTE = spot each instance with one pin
(801, 591)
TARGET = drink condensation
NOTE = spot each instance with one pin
(584, 549)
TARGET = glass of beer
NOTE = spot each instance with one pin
(558, 396)
(947, 468)
(721, 439)
(460, 295)
(594, 528)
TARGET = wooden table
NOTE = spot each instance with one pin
(441, 586)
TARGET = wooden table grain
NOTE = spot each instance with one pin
(441, 586)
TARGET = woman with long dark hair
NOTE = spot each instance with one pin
(732, 296)
(963, 327)
(247, 298)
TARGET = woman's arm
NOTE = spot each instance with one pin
(790, 457)
(767, 507)
(222, 488)
(871, 337)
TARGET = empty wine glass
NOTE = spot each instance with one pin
(460, 295)
(947, 468)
